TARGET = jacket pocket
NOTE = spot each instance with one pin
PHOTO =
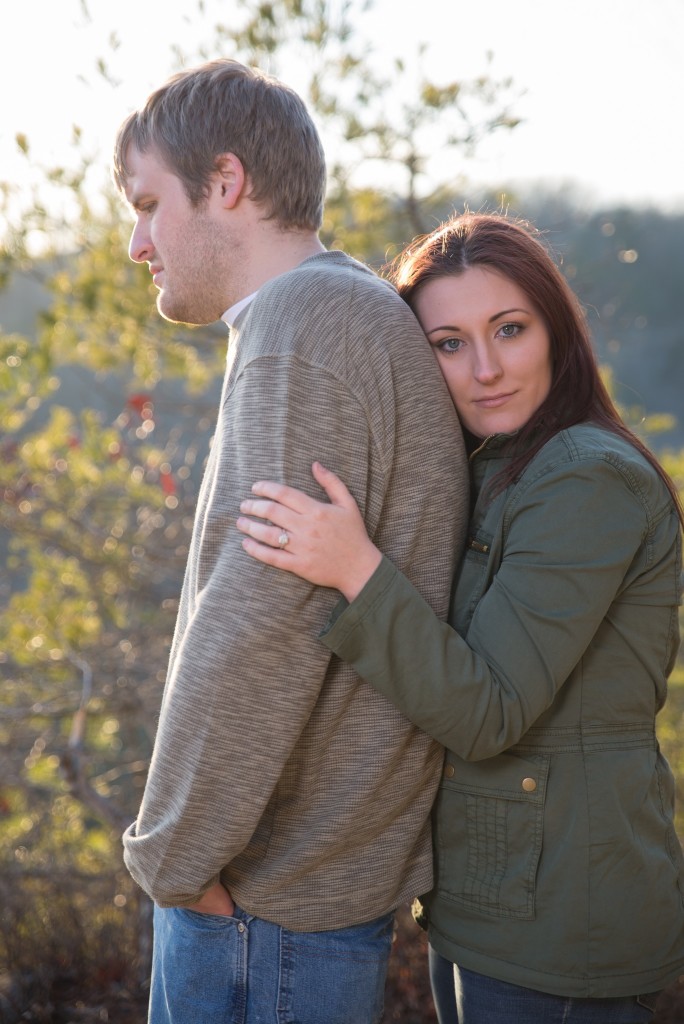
(489, 823)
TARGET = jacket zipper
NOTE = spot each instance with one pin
(472, 543)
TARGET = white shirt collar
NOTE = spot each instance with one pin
(231, 314)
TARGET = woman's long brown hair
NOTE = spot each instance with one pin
(513, 248)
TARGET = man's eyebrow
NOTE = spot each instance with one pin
(137, 199)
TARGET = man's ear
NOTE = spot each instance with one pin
(231, 180)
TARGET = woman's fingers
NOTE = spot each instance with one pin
(324, 542)
(290, 497)
(264, 553)
(299, 501)
(271, 510)
(338, 493)
(274, 536)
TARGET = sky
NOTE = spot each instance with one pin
(598, 84)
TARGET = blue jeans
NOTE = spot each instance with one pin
(463, 997)
(209, 969)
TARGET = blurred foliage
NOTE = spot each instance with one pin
(107, 413)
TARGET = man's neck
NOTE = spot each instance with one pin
(274, 252)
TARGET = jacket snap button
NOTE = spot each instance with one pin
(449, 771)
(529, 785)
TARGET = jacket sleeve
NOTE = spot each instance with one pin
(571, 538)
(246, 667)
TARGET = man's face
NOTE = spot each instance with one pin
(190, 250)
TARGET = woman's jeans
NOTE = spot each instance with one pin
(463, 997)
(209, 969)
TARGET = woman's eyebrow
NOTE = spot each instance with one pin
(496, 316)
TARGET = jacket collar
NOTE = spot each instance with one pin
(498, 446)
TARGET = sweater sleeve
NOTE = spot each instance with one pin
(570, 541)
(246, 666)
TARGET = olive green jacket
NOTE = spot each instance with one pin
(557, 863)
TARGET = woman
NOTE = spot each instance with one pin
(559, 876)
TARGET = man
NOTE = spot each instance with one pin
(286, 811)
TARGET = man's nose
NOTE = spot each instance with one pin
(140, 247)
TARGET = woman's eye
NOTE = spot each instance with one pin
(511, 330)
(450, 345)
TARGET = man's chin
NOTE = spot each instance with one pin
(177, 314)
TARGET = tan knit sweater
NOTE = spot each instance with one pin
(275, 767)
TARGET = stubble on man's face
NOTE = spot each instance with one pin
(200, 267)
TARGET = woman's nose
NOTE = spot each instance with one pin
(487, 366)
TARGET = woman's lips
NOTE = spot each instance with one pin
(493, 401)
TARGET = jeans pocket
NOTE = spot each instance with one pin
(199, 967)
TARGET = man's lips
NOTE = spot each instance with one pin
(155, 272)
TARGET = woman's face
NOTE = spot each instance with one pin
(492, 346)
